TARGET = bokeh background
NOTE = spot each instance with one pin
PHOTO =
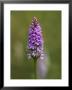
(50, 21)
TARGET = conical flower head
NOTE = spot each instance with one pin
(35, 39)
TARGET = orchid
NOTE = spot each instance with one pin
(36, 49)
(35, 39)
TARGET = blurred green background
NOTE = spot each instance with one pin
(50, 21)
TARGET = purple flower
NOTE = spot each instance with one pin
(35, 39)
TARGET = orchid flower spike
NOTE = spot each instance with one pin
(35, 39)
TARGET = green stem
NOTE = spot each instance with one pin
(35, 60)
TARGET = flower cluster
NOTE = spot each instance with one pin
(35, 39)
